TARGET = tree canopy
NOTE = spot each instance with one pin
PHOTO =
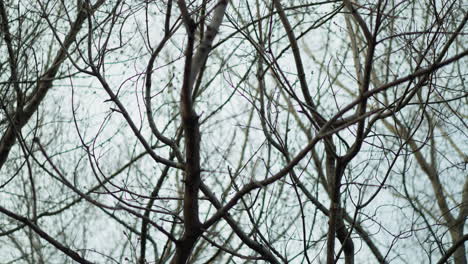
(217, 131)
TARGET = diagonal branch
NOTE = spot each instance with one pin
(69, 252)
(22, 116)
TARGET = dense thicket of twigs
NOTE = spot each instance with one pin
(217, 131)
